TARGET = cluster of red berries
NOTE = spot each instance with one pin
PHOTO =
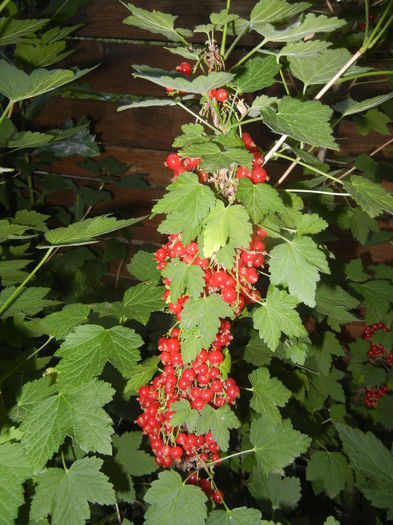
(374, 394)
(376, 355)
(258, 173)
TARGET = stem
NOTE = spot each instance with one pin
(284, 82)
(224, 34)
(373, 42)
(372, 39)
(3, 4)
(254, 50)
(235, 42)
(6, 375)
(308, 166)
(63, 460)
(243, 122)
(317, 97)
(5, 112)
(16, 292)
(197, 117)
(231, 456)
(365, 21)
(362, 75)
(293, 190)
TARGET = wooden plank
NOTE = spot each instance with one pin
(156, 128)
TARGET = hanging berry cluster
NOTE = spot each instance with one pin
(378, 356)
(202, 381)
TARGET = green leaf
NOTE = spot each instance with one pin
(171, 501)
(37, 54)
(351, 107)
(148, 103)
(11, 271)
(205, 313)
(13, 30)
(17, 85)
(64, 494)
(136, 462)
(373, 465)
(141, 375)
(335, 303)
(192, 134)
(199, 85)
(311, 48)
(218, 422)
(32, 219)
(296, 264)
(143, 266)
(283, 492)
(86, 231)
(319, 70)
(189, 198)
(184, 415)
(257, 73)
(258, 199)
(77, 413)
(268, 394)
(275, 11)
(304, 121)
(377, 297)
(373, 120)
(142, 300)
(278, 315)
(321, 352)
(14, 470)
(330, 469)
(60, 324)
(226, 224)
(187, 279)
(330, 520)
(155, 22)
(191, 344)
(322, 387)
(383, 415)
(371, 197)
(214, 158)
(30, 394)
(86, 351)
(297, 31)
(310, 223)
(276, 445)
(30, 301)
(238, 516)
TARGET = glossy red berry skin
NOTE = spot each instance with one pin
(222, 95)
(173, 161)
(258, 175)
(184, 68)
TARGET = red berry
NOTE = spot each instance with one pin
(229, 294)
(221, 95)
(184, 68)
(173, 161)
(242, 172)
(258, 175)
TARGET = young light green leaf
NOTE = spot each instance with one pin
(223, 224)
(371, 197)
(77, 413)
(304, 121)
(238, 516)
(64, 494)
(278, 315)
(86, 231)
(218, 421)
(17, 85)
(257, 73)
(268, 394)
(205, 313)
(142, 300)
(274, 11)
(319, 70)
(187, 196)
(155, 22)
(184, 415)
(310, 24)
(373, 465)
(199, 85)
(258, 199)
(135, 461)
(14, 470)
(329, 468)
(186, 279)
(276, 445)
(283, 492)
(351, 107)
(86, 351)
(297, 264)
(141, 375)
(171, 501)
(143, 266)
